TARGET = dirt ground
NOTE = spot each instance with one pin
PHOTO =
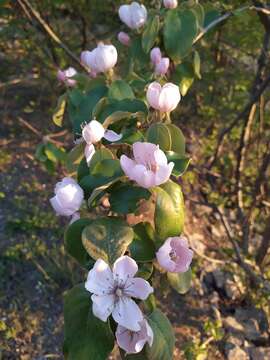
(35, 271)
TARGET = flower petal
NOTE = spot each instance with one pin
(163, 256)
(138, 288)
(163, 173)
(127, 166)
(102, 306)
(153, 94)
(112, 136)
(144, 152)
(124, 268)
(89, 152)
(127, 313)
(100, 278)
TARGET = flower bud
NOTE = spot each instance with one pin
(101, 59)
(155, 55)
(170, 4)
(133, 15)
(123, 38)
(162, 67)
(68, 197)
(66, 75)
(163, 98)
(93, 132)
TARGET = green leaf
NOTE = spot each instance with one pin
(107, 238)
(54, 153)
(197, 64)
(124, 199)
(145, 270)
(164, 340)
(178, 140)
(169, 211)
(120, 115)
(73, 241)
(142, 247)
(180, 29)
(40, 154)
(81, 106)
(120, 90)
(59, 112)
(199, 13)
(100, 155)
(181, 282)
(85, 336)
(180, 163)
(150, 33)
(211, 16)
(184, 75)
(159, 134)
(74, 157)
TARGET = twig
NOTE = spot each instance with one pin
(265, 244)
(216, 261)
(28, 9)
(30, 127)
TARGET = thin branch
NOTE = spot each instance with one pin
(265, 244)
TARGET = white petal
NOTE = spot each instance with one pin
(124, 268)
(102, 306)
(138, 288)
(89, 152)
(112, 136)
(100, 279)
(127, 313)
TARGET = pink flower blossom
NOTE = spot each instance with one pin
(112, 292)
(133, 15)
(66, 75)
(68, 197)
(174, 255)
(123, 38)
(155, 55)
(162, 67)
(149, 167)
(163, 98)
(170, 4)
(100, 60)
(92, 133)
(133, 342)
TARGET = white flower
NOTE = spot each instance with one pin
(134, 15)
(68, 197)
(113, 290)
(92, 133)
(101, 59)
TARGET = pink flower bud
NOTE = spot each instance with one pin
(162, 67)
(155, 55)
(174, 255)
(123, 38)
(68, 197)
(170, 4)
(163, 98)
(66, 75)
(101, 59)
(133, 15)
(93, 132)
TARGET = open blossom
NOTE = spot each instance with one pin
(133, 341)
(174, 255)
(149, 167)
(163, 98)
(123, 38)
(170, 4)
(113, 291)
(100, 60)
(133, 15)
(92, 133)
(65, 76)
(68, 197)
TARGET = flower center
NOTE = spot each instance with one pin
(119, 292)
(173, 255)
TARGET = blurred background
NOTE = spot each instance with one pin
(225, 118)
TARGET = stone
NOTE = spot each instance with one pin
(259, 353)
(237, 353)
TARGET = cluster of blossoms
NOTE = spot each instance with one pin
(113, 289)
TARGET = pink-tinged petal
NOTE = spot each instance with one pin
(138, 288)
(89, 152)
(127, 165)
(155, 55)
(160, 157)
(124, 268)
(58, 208)
(112, 136)
(102, 306)
(61, 75)
(169, 97)
(163, 256)
(179, 241)
(127, 313)
(133, 342)
(144, 152)
(183, 253)
(145, 178)
(163, 173)
(100, 279)
(153, 94)
(76, 216)
(162, 67)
